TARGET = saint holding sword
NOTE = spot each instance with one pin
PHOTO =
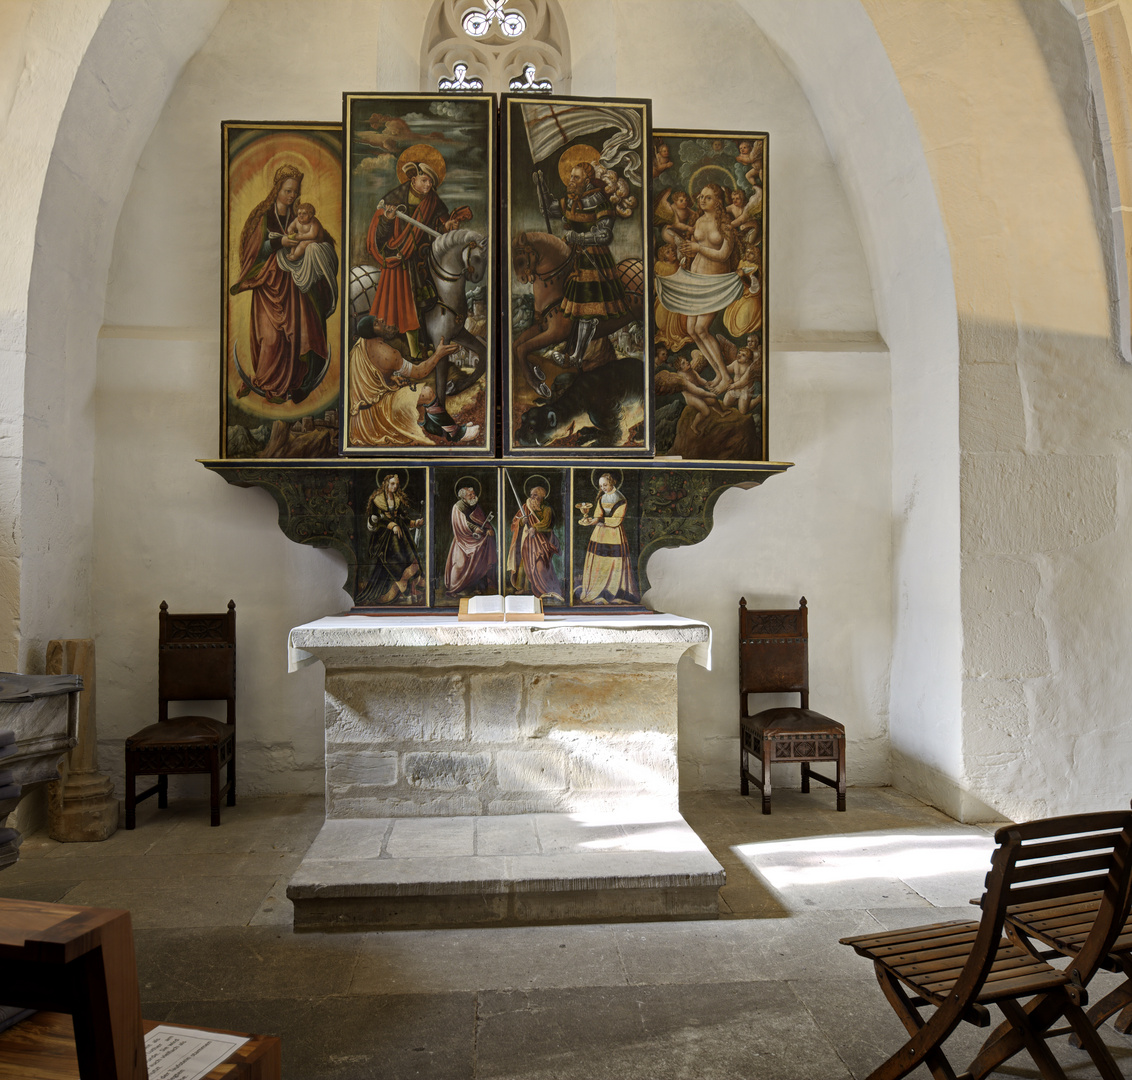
(406, 219)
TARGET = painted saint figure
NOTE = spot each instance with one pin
(593, 291)
(393, 522)
(384, 391)
(607, 574)
(473, 564)
(291, 300)
(530, 558)
(405, 221)
(710, 283)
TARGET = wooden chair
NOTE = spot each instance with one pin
(773, 659)
(1048, 929)
(960, 968)
(196, 661)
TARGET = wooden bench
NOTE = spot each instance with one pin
(79, 961)
(43, 1047)
(959, 968)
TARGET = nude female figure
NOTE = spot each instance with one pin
(711, 248)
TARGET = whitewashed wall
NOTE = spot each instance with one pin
(1000, 94)
(167, 529)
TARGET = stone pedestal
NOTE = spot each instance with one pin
(42, 712)
(539, 761)
(81, 805)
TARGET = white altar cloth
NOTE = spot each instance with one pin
(432, 630)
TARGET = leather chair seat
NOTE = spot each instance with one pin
(184, 731)
(790, 720)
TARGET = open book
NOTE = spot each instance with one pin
(501, 609)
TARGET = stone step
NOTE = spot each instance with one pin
(509, 870)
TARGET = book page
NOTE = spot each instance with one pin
(485, 605)
(524, 605)
(174, 1053)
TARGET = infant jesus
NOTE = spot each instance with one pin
(306, 228)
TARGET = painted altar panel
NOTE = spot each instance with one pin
(605, 530)
(537, 511)
(576, 255)
(419, 217)
(466, 532)
(708, 207)
(393, 537)
(280, 311)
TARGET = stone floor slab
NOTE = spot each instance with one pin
(569, 868)
(504, 958)
(699, 1032)
(513, 834)
(438, 837)
(246, 962)
(224, 902)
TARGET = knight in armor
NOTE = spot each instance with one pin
(592, 291)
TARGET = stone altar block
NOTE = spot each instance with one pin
(41, 712)
(538, 759)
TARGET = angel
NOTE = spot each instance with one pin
(675, 215)
(737, 204)
(745, 366)
(686, 380)
(745, 211)
(616, 189)
(748, 155)
(661, 159)
(744, 314)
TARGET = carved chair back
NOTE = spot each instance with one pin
(196, 659)
(774, 656)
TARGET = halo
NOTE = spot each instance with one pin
(467, 481)
(572, 155)
(401, 474)
(530, 483)
(717, 174)
(427, 155)
(597, 474)
(278, 160)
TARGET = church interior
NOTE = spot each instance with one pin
(950, 352)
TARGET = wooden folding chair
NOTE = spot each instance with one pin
(1061, 928)
(960, 968)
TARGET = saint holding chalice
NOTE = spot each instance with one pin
(607, 574)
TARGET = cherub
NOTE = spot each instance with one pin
(676, 216)
(668, 259)
(617, 189)
(745, 367)
(737, 204)
(661, 159)
(748, 156)
(749, 219)
(307, 229)
(686, 380)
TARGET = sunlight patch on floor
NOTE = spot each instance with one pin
(829, 860)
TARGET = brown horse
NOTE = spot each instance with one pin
(544, 261)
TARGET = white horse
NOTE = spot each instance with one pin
(455, 260)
